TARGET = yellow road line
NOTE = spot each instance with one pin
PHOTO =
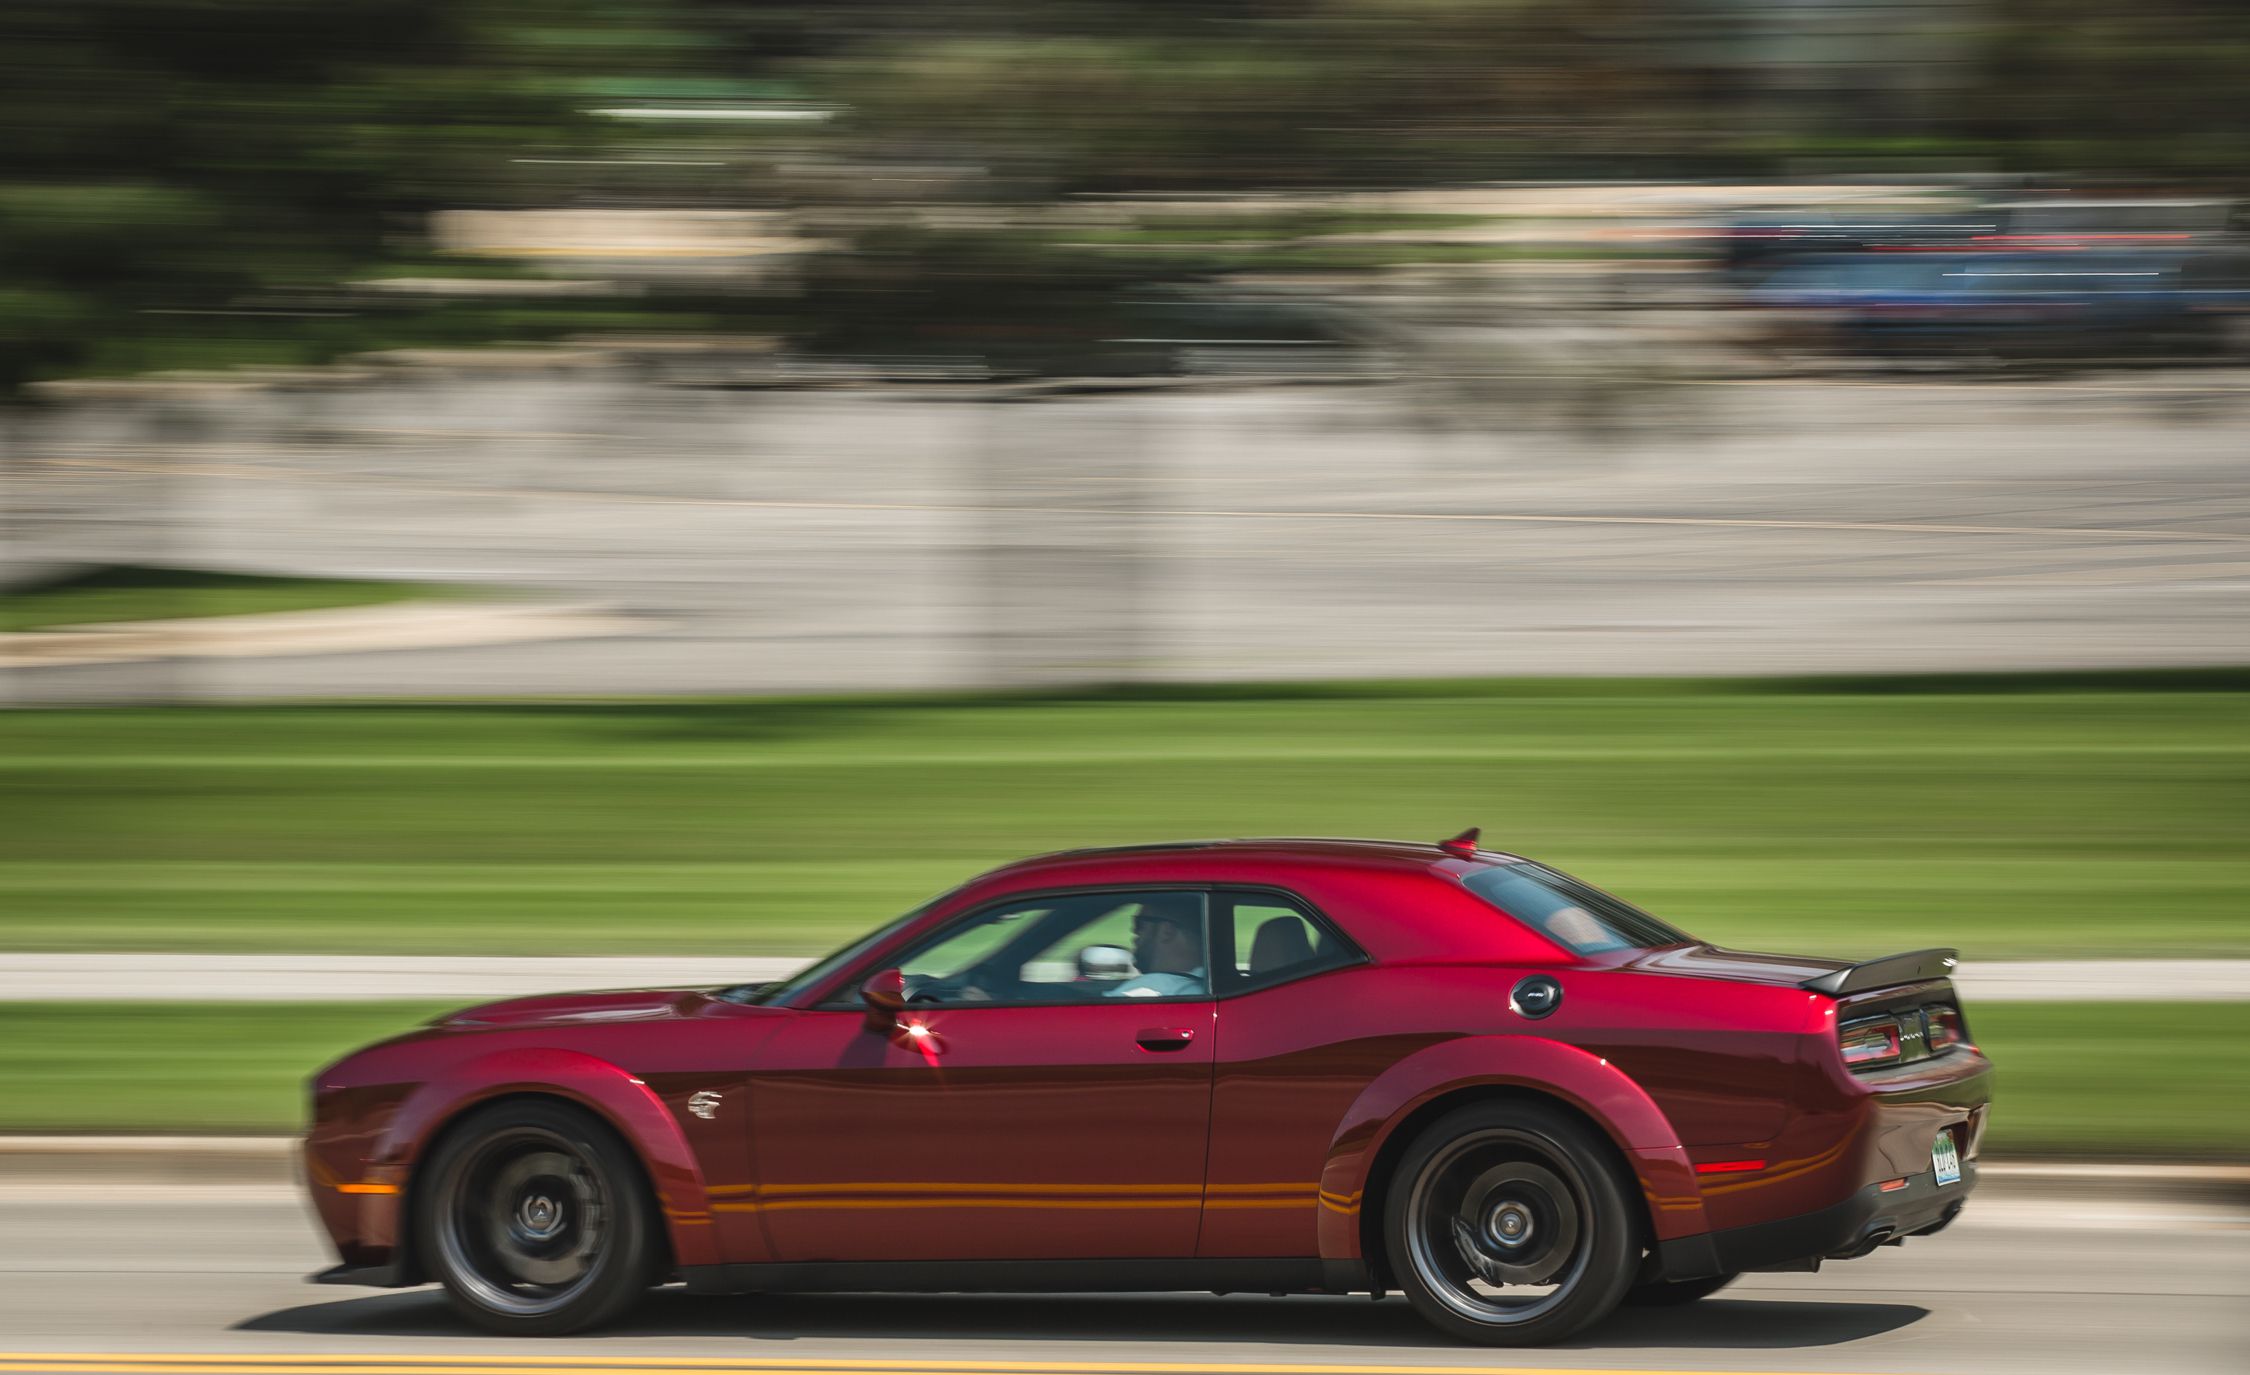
(282, 1368)
(511, 1364)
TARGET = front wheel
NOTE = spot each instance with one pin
(535, 1218)
(1509, 1224)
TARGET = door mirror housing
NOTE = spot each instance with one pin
(885, 996)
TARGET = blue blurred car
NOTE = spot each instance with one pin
(2001, 299)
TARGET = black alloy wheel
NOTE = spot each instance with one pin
(536, 1218)
(1510, 1224)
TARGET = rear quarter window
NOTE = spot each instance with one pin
(1575, 915)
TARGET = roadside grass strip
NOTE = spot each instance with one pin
(2013, 823)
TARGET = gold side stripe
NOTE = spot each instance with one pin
(796, 1205)
(942, 1187)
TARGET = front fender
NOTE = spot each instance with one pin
(609, 1091)
(1586, 1081)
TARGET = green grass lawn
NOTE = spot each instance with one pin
(129, 593)
(2009, 823)
(2122, 1079)
(2126, 1079)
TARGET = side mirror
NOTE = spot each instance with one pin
(885, 996)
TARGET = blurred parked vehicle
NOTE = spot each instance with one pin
(1754, 246)
(2142, 300)
(1238, 330)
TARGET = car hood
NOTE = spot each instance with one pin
(551, 1009)
(1738, 966)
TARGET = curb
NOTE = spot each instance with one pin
(406, 624)
(42, 1160)
(180, 1160)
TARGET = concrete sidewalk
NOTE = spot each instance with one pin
(160, 977)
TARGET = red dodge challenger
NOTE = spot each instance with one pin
(1260, 1065)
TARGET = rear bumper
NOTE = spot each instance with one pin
(1870, 1218)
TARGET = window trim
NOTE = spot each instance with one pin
(1242, 985)
(845, 997)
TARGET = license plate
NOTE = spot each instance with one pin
(1945, 1160)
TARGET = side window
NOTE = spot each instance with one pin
(1276, 940)
(966, 947)
(1081, 947)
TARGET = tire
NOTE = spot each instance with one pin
(1510, 1224)
(537, 1220)
(1669, 1293)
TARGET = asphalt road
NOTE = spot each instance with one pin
(783, 541)
(174, 977)
(144, 1278)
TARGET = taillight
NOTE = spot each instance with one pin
(1946, 1030)
(1873, 1042)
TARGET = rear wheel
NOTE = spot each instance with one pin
(1665, 1293)
(1509, 1224)
(535, 1218)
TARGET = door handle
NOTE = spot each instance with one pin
(1161, 1038)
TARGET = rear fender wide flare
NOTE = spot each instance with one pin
(1587, 1082)
(608, 1091)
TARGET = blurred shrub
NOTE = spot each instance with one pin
(170, 158)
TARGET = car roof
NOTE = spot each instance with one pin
(1373, 854)
(1355, 882)
(1446, 925)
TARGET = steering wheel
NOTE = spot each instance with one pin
(968, 986)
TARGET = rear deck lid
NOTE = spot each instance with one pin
(1738, 966)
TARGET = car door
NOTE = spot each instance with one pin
(1297, 1047)
(1043, 1097)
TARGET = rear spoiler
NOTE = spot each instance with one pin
(1911, 967)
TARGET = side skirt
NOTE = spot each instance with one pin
(390, 1276)
(1252, 1276)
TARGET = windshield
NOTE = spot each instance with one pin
(1559, 907)
(820, 970)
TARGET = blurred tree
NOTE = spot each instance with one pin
(2152, 89)
(961, 126)
(188, 160)
(1074, 95)
(167, 157)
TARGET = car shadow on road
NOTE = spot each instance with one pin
(1715, 1324)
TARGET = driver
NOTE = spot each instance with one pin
(1168, 947)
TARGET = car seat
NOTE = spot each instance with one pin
(1280, 943)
